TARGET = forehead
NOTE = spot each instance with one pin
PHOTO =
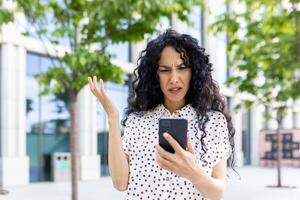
(169, 56)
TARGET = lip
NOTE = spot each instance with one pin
(175, 90)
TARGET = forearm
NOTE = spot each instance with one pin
(208, 186)
(117, 160)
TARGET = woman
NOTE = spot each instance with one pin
(173, 79)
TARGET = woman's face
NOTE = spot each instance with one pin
(174, 78)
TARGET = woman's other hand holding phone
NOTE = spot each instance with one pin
(183, 162)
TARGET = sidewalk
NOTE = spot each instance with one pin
(254, 181)
(252, 186)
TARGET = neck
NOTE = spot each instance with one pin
(173, 106)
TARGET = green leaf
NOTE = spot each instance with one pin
(6, 16)
(264, 49)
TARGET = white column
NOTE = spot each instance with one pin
(14, 164)
(215, 45)
(297, 120)
(256, 126)
(297, 114)
(287, 122)
(136, 49)
(89, 159)
(237, 123)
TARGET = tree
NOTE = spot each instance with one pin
(264, 44)
(89, 27)
(6, 14)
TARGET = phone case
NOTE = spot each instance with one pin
(177, 128)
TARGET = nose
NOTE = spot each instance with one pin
(174, 77)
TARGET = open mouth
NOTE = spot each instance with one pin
(175, 89)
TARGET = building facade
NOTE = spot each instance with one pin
(33, 127)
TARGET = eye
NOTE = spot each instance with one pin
(163, 70)
(182, 67)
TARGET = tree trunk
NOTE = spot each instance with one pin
(278, 135)
(74, 148)
(278, 158)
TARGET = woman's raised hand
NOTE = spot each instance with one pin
(101, 95)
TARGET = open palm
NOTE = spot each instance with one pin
(101, 95)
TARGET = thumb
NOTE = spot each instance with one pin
(190, 146)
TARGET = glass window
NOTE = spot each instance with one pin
(32, 61)
(55, 116)
(44, 114)
(46, 62)
(32, 105)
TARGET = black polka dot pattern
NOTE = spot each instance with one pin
(146, 179)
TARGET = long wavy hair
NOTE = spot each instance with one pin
(203, 94)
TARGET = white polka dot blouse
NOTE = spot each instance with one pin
(146, 179)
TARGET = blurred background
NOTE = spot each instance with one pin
(49, 48)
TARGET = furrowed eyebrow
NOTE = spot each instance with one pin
(165, 66)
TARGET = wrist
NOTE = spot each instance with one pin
(113, 117)
(196, 176)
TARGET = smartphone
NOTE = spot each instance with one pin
(177, 128)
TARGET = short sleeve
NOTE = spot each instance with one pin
(128, 134)
(221, 147)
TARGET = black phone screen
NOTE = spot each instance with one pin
(177, 128)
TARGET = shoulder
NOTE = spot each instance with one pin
(216, 122)
(134, 116)
(216, 116)
(138, 116)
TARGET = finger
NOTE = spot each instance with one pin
(95, 81)
(102, 90)
(190, 146)
(102, 86)
(92, 86)
(177, 148)
(163, 153)
(164, 163)
(90, 82)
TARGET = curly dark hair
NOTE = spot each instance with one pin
(203, 94)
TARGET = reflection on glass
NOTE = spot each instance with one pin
(46, 114)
